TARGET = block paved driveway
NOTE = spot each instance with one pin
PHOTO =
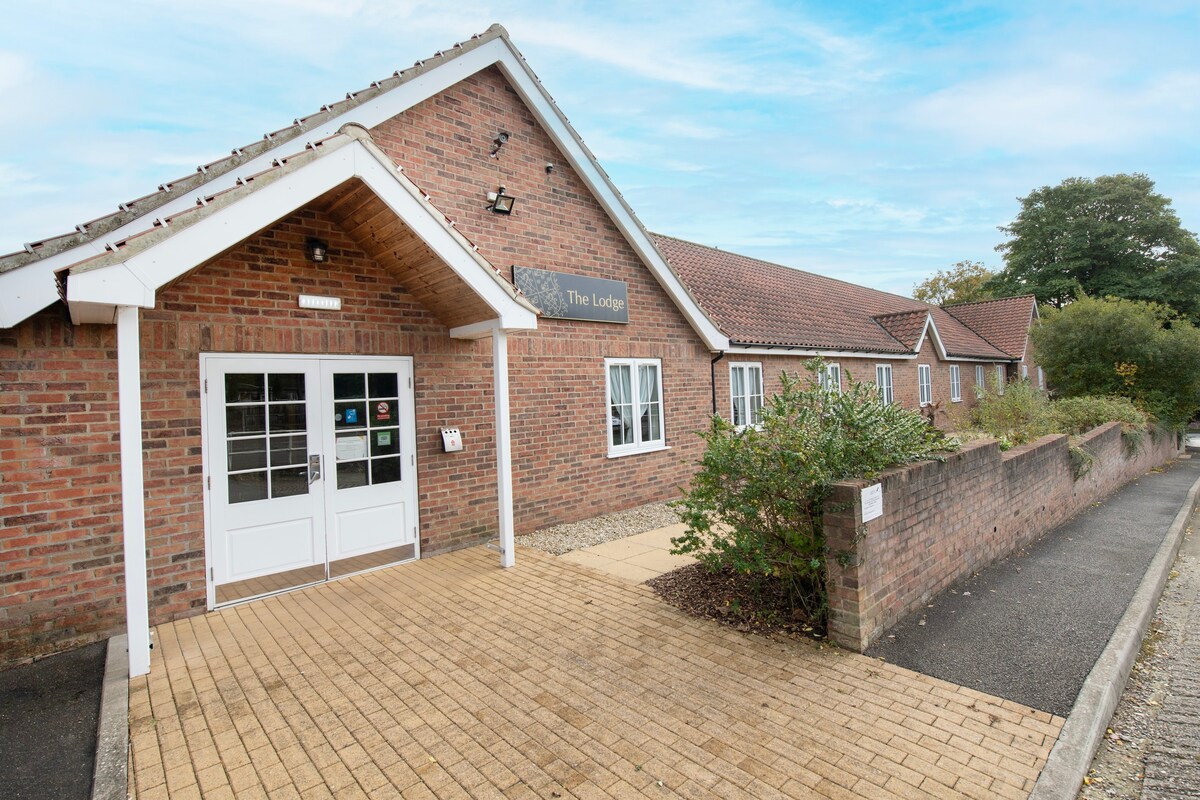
(449, 677)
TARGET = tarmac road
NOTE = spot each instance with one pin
(1030, 627)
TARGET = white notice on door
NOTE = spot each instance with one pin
(872, 502)
(351, 448)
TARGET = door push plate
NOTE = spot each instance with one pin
(314, 468)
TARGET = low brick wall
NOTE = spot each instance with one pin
(944, 520)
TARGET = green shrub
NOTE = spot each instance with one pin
(1019, 415)
(756, 503)
(1076, 415)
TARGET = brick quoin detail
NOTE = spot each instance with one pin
(945, 520)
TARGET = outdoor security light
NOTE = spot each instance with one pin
(317, 250)
(501, 203)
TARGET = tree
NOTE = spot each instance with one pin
(962, 283)
(1112, 236)
(1129, 348)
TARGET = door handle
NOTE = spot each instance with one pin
(314, 468)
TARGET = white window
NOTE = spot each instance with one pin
(1024, 371)
(831, 378)
(924, 384)
(999, 379)
(635, 410)
(979, 378)
(1041, 379)
(883, 379)
(955, 384)
(746, 393)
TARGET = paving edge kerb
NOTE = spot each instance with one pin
(1084, 729)
(110, 780)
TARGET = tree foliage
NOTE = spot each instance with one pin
(1111, 236)
(965, 282)
(1128, 348)
(756, 503)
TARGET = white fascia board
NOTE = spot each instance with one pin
(26, 291)
(429, 225)
(476, 330)
(29, 289)
(134, 280)
(536, 97)
(937, 338)
(784, 351)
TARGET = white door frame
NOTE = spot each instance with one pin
(327, 464)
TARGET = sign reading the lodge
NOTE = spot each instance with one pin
(564, 296)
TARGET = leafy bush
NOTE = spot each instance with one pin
(1076, 415)
(756, 503)
(1129, 348)
(1019, 415)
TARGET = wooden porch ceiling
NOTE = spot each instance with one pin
(392, 244)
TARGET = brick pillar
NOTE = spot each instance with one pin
(843, 521)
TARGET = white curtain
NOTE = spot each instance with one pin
(738, 376)
(620, 398)
(648, 400)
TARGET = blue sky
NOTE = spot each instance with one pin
(873, 141)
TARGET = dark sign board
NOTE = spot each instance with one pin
(564, 296)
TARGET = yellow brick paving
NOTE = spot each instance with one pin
(450, 678)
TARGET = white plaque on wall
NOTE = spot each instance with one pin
(872, 502)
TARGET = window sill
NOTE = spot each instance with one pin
(639, 451)
(955, 400)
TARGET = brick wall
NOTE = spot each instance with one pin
(60, 501)
(944, 520)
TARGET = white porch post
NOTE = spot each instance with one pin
(133, 506)
(504, 495)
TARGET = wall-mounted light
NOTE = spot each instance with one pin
(320, 303)
(500, 202)
(317, 250)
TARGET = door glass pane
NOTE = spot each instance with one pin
(350, 415)
(383, 413)
(351, 475)
(385, 442)
(289, 482)
(289, 450)
(247, 486)
(286, 386)
(385, 470)
(247, 454)
(349, 386)
(287, 417)
(244, 420)
(243, 388)
(384, 384)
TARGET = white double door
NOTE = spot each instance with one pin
(310, 467)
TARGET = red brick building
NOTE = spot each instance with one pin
(313, 358)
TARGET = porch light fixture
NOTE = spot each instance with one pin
(501, 203)
(317, 250)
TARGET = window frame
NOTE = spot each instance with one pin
(1024, 371)
(887, 394)
(747, 368)
(826, 375)
(955, 384)
(1041, 378)
(924, 385)
(980, 378)
(1001, 378)
(637, 445)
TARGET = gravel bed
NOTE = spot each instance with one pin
(559, 539)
